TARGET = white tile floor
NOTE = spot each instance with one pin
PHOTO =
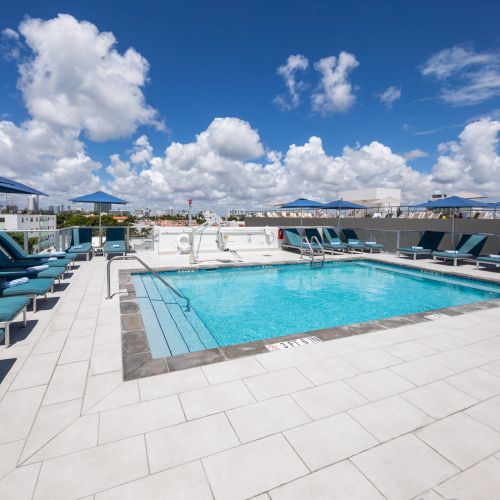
(410, 412)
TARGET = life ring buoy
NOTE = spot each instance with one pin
(183, 244)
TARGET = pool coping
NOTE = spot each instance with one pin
(136, 353)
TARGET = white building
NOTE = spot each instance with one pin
(33, 203)
(385, 199)
(32, 222)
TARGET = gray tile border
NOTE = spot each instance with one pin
(138, 362)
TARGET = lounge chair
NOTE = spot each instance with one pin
(81, 242)
(488, 259)
(16, 251)
(428, 243)
(10, 307)
(332, 241)
(297, 242)
(32, 289)
(354, 243)
(10, 265)
(468, 247)
(115, 241)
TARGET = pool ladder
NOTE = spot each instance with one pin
(154, 273)
(310, 251)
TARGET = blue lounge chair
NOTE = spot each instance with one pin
(314, 236)
(115, 241)
(10, 307)
(331, 238)
(81, 242)
(468, 247)
(492, 259)
(428, 243)
(8, 272)
(297, 242)
(354, 243)
(32, 289)
(16, 251)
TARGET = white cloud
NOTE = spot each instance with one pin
(389, 96)
(10, 33)
(288, 71)
(467, 77)
(335, 92)
(414, 154)
(76, 79)
(472, 162)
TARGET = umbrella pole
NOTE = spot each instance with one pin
(453, 228)
(100, 224)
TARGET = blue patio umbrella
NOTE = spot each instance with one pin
(342, 205)
(14, 187)
(8, 186)
(302, 203)
(452, 202)
(99, 197)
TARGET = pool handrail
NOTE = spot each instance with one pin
(154, 273)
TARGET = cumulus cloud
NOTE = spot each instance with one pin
(389, 96)
(466, 76)
(86, 86)
(471, 162)
(335, 93)
(288, 71)
(73, 82)
(414, 154)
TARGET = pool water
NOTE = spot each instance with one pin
(238, 305)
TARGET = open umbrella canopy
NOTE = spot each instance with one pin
(99, 197)
(452, 202)
(303, 203)
(10, 186)
(343, 205)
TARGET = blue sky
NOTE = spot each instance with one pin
(220, 59)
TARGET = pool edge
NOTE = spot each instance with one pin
(138, 361)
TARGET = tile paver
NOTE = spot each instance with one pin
(189, 441)
(341, 481)
(328, 399)
(388, 418)
(214, 399)
(461, 439)
(439, 399)
(277, 383)
(187, 482)
(253, 468)
(267, 417)
(329, 440)
(403, 467)
(89, 471)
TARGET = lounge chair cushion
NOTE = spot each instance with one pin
(11, 306)
(414, 250)
(468, 246)
(114, 247)
(449, 255)
(35, 286)
(51, 272)
(17, 252)
(487, 258)
(80, 248)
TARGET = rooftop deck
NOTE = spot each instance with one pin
(405, 412)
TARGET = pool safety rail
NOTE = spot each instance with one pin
(154, 273)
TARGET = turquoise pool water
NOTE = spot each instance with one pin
(233, 306)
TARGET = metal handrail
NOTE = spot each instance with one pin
(154, 273)
(320, 246)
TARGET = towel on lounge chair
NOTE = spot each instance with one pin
(50, 259)
(77, 246)
(13, 283)
(34, 269)
(417, 248)
(56, 254)
(116, 245)
(451, 251)
(494, 256)
(370, 242)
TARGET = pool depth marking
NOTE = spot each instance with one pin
(287, 344)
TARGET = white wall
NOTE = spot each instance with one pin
(234, 238)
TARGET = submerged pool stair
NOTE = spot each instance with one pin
(171, 328)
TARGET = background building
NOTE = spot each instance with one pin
(385, 199)
(31, 222)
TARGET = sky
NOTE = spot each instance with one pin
(249, 103)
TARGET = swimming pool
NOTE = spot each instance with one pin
(238, 305)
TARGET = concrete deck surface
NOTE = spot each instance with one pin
(409, 412)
